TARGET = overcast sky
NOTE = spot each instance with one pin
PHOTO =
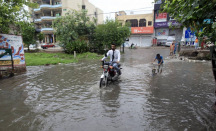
(118, 5)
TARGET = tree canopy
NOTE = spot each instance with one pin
(12, 12)
(73, 29)
(196, 14)
(28, 33)
(112, 32)
(40, 36)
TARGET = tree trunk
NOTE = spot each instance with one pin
(123, 47)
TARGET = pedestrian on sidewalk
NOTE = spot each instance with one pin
(203, 43)
(172, 49)
(196, 43)
(175, 47)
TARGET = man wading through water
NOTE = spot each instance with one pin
(160, 62)
(114, 58)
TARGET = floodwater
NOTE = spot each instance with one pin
(68, 98)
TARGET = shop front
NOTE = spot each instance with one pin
(141, 36)
(165, 29)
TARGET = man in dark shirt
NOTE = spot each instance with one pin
(160, 62)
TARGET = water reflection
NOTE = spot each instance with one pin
(110, 100)
(67, 97)
(182, 97)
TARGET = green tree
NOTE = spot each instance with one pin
(28, 33)
(40, 37)
(72, 29)
(111, 32)
(193, 13)
(13, 11)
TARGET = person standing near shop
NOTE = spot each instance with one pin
(196, 43)
(203, 43)
(175, 47)
(172, 49)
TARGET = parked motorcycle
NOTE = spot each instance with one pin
(133, 47)
(109, 73)
(208, 45)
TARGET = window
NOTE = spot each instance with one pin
(83, 7)
(58, 14)
(134, 22)
(64, 9)
(142, 23)
(149, 23)
(95, 14)
(57, 3)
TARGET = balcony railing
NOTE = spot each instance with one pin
(37, 20)
(46, 29)
(47, 17)
(48, 6)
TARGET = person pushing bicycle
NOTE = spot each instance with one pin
(160, 62)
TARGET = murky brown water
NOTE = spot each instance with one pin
(68, 98)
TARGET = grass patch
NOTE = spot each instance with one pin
(35, 59)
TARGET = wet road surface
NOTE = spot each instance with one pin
(68, 98)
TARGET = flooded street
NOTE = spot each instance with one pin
(68, 98)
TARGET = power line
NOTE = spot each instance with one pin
(140, 9)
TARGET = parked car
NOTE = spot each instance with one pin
(45, 46)
(161, 43)
(170, 39)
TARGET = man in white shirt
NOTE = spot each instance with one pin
(114, 57)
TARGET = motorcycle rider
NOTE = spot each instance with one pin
(114, 58)
(132, 45)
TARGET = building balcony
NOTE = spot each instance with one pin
(38, 30)
(44, 18)
(47, 30)
(47, 18)
(37, 20)
(47, 6)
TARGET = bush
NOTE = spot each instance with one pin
(78, 45)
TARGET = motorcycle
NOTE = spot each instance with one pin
(133, 47)
(208, 45)
(108, 73)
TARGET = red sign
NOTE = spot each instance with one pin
(161, 17)
(142, 30)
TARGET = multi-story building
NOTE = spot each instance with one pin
(141, 27)
(50, 9)
(162, 24)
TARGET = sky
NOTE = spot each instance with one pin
(127, 5)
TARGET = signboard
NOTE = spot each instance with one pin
(13, 42)
(207, 21)
(158, 1)
(161, 17)
(162, 32)
(167, 24)
(160, 24)
(142, 30)
(189, 34)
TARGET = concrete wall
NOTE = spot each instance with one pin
(121, 16)
(71, 5)
(91, 11)
(100, 17)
